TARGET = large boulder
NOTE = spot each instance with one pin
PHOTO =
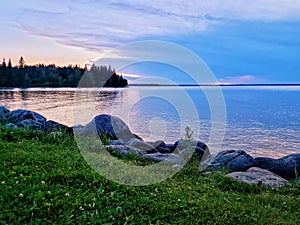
(121, 149)
(230, 160)
(135, 143)
(17, 116)
(162, 147)
(172, 159)
(287, 167)
(112, 126)
(4, 109)
(164, 150)
(258, 176)
(200, 149)
(50, 126)
(3, 115)
(183, 144)
(11, 126)
(30, 124)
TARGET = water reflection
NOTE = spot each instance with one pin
(261, 122)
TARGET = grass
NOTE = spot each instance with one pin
(45, 180)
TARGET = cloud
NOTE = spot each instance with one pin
(246, 79)
(100, 25)
(130, 75)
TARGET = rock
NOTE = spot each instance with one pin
(231, 160)
(167, 158)
(4, 110)
(201, 149)
(182, 144)
(186, 153)
(50, 126)
(136, 151)
(160, 143)
(164, 150)
(258, 176)
(112, 126)
(31, 124)
(77, 126)
(122, 149)
(3, 118)
(287, 167)
(142, 146)
(11, 125)
(3, 114)
(116, 142)
(17, 116)
(161, 147)
(171, 146)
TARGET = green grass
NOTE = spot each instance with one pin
(45, 180)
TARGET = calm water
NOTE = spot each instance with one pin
(264, 121)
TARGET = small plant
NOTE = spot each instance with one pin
(296, 172)
(105, 138)
(188, 138)
(188, 134)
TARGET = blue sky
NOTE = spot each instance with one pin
(241, 41)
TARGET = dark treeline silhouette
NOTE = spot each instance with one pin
(41, 75)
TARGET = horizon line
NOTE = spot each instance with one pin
(218, 84)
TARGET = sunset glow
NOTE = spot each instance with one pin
(260, 40)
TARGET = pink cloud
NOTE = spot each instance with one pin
(246, 79)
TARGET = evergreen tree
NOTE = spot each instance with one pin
(9, 74)
(21, 62)
(55, 76)
(2, 73)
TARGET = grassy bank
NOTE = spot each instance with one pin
(45, 180)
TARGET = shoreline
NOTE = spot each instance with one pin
(155, 85)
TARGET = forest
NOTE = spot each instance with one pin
(40, 75)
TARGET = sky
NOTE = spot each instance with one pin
(240, 41)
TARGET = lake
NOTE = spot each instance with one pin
(263, 121)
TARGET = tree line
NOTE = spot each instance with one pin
(41, 75)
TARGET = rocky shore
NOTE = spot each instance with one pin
(268, 172)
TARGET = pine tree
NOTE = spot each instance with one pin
(2, 73)
(9, 75)
(21, 62)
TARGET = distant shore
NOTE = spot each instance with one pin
(212, 85)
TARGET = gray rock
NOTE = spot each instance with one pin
(161, 147)
(11, 125)
(112, 126)
(201, 149)
(159, 143)
(164, 150)
(3, 119)
(31, 124)
(231, 160)
(116, 142)
(142, 146)
(186, 153)
(122, 149)
(183, 144)
(287, 167)
(171, 146)
(137, 152)
(3, 114)
(4, 110)
(258, 176)
(17, 116)
(50, 126)
(167, 158)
